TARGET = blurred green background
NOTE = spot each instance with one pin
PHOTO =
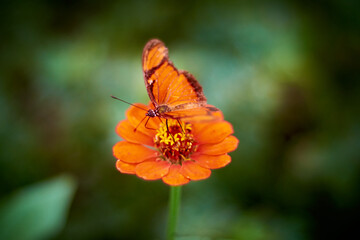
(285, 74)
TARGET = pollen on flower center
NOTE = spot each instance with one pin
(175, 142)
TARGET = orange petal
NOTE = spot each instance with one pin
(124, 167)
(218, 114)
(194, 171)
(212, 132)
(152, 170)
(137, 118)
(126, 131)
(229, 144)
(132, 153)
(174, 178)
(211, 161)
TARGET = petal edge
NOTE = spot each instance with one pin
(206, 133)
(194, 171)
(152, 170)
(125, 130)
(124, 167)
(132, 152)
(174, 178)
(229, 144)
(212, 161)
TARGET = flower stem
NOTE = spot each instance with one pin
(174, 205)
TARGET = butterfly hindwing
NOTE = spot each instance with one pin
(196, 114)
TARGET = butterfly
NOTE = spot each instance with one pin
(174, 94)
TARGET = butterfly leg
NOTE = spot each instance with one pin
(140, 123)
(167, 128)
(182, 129)
(147, 123)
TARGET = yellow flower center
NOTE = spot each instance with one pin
(175, 142)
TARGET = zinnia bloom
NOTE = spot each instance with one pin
(167, 152)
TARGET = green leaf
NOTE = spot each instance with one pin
(38, 211)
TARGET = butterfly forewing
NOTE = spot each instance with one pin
(154, 53)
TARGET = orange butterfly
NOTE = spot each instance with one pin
(174, 94)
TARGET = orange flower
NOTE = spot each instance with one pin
(151, 152)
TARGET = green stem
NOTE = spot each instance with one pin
(174, 205)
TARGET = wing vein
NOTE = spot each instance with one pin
(171, 89)
(179, 96)
(157, 82)
(164, 80)
(176, 89)
(150, 59)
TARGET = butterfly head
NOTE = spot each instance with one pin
(151, 113)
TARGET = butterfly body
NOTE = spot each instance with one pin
(174, 94)
(158, 111)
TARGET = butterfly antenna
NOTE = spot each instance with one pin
(128, 103)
